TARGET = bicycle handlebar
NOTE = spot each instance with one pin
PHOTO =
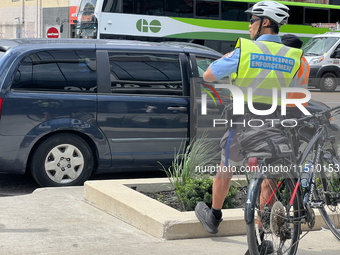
(304, 120)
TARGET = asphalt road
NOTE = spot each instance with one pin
(16, 185)
(13, 185)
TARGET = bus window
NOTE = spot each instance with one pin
(295, 15)
(208, 9)
(313, 15)
(234, 11)
(149, 7)
(180, 8)
(119, 6)
(335, 16)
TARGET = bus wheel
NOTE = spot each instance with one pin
(328, 82)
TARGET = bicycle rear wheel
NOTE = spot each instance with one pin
(271, 229)
(328, 189)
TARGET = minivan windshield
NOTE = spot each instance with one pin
(1, 54)
(319, 45)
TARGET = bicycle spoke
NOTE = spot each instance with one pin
(273, 218)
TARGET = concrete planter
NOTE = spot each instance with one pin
(121, 199)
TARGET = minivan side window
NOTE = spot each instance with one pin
(59, 70)
(145, 73)
(202, 65)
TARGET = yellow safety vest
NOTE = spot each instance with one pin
(263, 66)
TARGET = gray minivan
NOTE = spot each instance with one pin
(72, 107)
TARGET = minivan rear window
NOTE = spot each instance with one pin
(59, 70)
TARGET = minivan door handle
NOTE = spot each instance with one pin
(177, 108)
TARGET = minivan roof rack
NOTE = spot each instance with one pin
(4, 48)
(189, 44)
(5, 45)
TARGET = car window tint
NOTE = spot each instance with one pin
(69, 70)
(145, 74)
(202, 65)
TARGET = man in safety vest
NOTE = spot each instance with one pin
(262, 64)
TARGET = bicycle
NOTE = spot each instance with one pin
(274, 219)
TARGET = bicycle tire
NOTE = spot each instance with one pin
(329, 223)
(282, 195)
(330, 212)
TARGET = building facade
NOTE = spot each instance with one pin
(37, 18)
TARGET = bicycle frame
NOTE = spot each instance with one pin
(285, 212)
(318, 140)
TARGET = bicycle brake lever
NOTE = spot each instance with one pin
(309, 125)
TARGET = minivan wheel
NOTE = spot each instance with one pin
(328, 82)
(62, 160)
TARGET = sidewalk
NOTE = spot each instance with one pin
(58, 221)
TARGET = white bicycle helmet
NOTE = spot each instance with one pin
(270, 9)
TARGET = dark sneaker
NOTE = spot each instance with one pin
(205, 216)
(266, 247)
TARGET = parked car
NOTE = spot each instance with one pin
(70, 108)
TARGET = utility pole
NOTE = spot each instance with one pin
(23, 12)
(37, 18)
(69, 18)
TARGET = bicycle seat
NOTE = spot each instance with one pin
(259, 155)
(290, 122)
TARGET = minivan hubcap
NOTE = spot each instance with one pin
(64, 163)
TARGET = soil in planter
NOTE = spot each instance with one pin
(169, 198)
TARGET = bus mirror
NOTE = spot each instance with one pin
(61, 28)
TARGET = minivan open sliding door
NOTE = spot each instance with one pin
(209, 100)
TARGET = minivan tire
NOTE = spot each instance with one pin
(328, 82)
(62, 160)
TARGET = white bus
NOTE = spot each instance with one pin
(214, 23)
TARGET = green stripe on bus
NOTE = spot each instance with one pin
(222, 24)
(209, 36)
(217, 36)
(303, 29)
(219, 24)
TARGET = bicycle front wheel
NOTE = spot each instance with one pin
(328, 190)
(274, 226)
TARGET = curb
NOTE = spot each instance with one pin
(121, 199)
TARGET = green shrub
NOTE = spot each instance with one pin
(334, 183)
(200, 189)
(199, 152)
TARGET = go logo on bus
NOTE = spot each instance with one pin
(143, 26)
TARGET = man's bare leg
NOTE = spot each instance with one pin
(221, 186)
(267, 188)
